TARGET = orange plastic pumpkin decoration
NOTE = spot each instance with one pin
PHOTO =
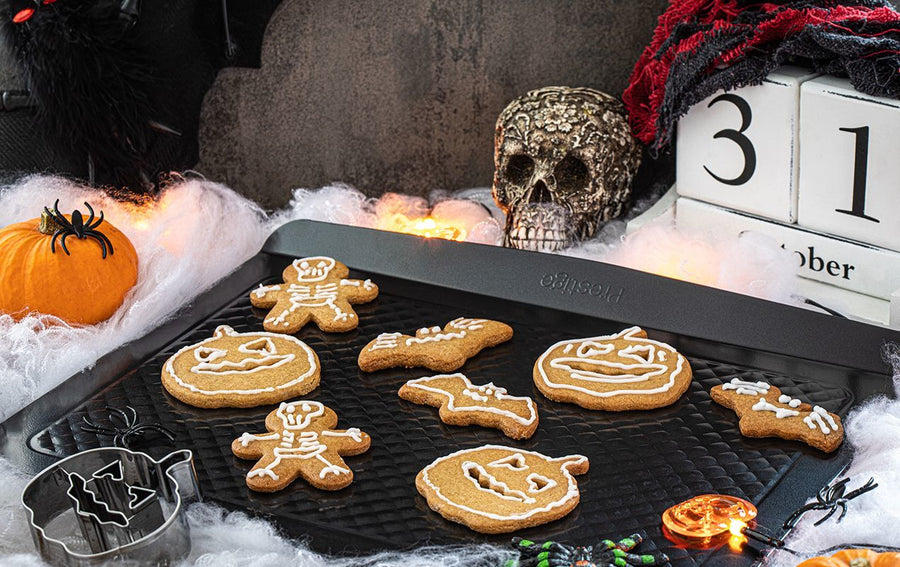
(65, 265)
(855, 558)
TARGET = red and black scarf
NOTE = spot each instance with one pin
(702, 46)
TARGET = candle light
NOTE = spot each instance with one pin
(429, 227)
(708, 520)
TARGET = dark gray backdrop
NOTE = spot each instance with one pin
(402, 95)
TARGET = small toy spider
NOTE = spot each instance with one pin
(607, 553)
(830, 498)
(130, 429)
(77, 227)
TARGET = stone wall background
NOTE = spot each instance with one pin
(403, 95)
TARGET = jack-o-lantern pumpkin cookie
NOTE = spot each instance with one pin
(241, 370)
(301, 442)
(464, 403)
(764, 411)
(314, 289)
(494, 489)
(624, 371)
(441, 350)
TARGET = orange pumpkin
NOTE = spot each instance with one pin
(79, 272)
(855, 558)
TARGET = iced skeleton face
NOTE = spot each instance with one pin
(313, 269)
(564, 160)
(298, 415)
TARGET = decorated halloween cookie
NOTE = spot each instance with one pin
(624, 371)
(494, 489)
(463, 403)
(314, 289)
(301, 442)
(765, 412)
(241, 370)
(441, 350)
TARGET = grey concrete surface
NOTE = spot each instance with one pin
(403, 95)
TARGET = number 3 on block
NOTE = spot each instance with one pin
(738, 137)
(849, 163)
(737, 149)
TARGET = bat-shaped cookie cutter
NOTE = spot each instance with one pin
(112, 503)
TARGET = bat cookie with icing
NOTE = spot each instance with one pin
(300, 442)
(765, 412)
(624, 371)
(241, 370)
(441, 350)
(463, 403)
(314, 289)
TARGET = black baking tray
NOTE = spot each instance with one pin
(641, 462)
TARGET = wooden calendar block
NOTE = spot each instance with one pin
(849, 163)
(820, 257)
(737, 149)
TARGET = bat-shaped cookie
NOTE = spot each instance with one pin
(765, 412)
(441, 350)
(463, 403)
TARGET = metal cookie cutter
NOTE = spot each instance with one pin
(112, 503)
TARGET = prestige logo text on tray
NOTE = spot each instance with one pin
(567, 285)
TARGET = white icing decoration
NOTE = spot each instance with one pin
(496, 487)
(785, 399)
(475, 396)
(437, 336)
(818, 416)
(211, 368)
(262, 290)
(780, 413)
(467, 324)
(747, 388)
(313, 268)
(304, 446)
(499, 393)
(386, 340)
(535, 486)
(271, 359)
(366, 285)
(571, 492)
(304, 296)
(642, 354)
(514, 462)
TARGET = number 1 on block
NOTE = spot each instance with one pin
(849, 163)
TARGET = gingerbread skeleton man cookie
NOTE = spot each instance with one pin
(765, 412)
(441, 350)
(464, 403)
(314, 289)
(301, 442)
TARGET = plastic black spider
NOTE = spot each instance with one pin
(127, 430)
(606, 553)
(830, 498)
(77, 227)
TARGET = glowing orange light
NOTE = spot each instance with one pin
(428, 227)
(706, 520)
(737, 527)
(737, 539)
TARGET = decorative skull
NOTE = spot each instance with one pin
(564, 161)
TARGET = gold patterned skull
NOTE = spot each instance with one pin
(564, 160)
